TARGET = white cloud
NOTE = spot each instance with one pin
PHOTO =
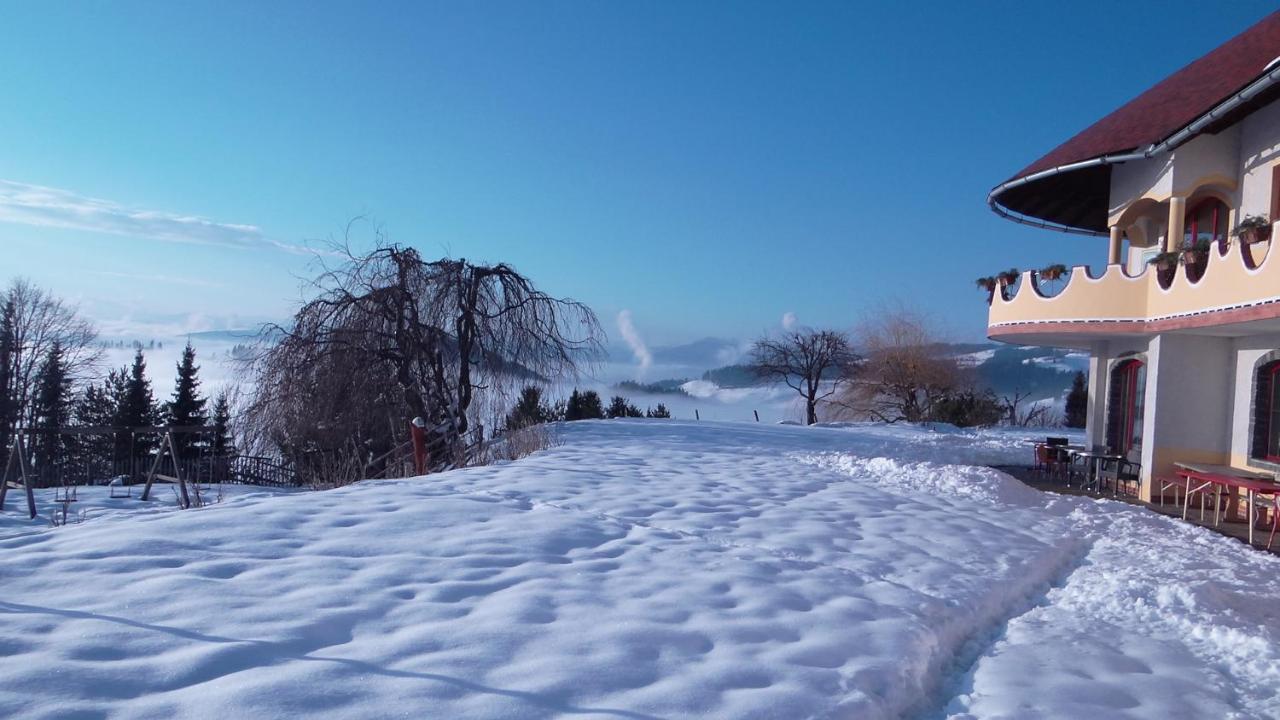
(634, 341)
(789, 321)
(159, 278)
(41, 206)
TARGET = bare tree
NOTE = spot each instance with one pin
(36, 322)
(907, 370)
(389, 336)
(1035, 414)
(815, 363)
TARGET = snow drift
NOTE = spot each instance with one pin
(647, 569)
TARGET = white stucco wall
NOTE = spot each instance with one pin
(1190, 403)
(1247, 352)
(1192, 396)
(1207, 157)
(1137, 178)
(1259, 150)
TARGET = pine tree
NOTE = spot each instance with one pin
(660, 412)
(187, 408)
(137, 408)
(529, 409)
(96, 408)
(617, 407)
(51, 409)
(1077, 409)
(584, 405)
(573, 408)
(222, 444)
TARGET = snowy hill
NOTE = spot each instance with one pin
(648, 569)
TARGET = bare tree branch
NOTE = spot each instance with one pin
(815, 363)
(389, 336)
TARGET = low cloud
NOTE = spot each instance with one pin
(789, 321)
(41, 206)
(634, 341)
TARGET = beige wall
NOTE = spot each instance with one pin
(1227, 283)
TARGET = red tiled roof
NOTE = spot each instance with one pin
(1156, 114)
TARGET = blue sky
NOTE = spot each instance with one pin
(707, 166)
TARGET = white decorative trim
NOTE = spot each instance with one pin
(1157, 318)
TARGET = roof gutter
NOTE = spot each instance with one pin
(1250, 91)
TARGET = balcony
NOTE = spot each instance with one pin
(1237, 291)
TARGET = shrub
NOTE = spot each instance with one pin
(968, 409)
(659, 412)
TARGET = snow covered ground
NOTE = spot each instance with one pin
(648, 569)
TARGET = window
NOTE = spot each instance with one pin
(1266, 413)
(1124, 410)
(1206, 221)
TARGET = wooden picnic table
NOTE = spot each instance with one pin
(1223, 476)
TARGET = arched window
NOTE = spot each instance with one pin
(1128, 387)
(1206, 221)
(1266, 412)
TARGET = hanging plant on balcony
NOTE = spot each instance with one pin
(987, 283)
(1195, 252)
(1053, 272)
(1253, 229)
(1165, 260)
(1009, 277)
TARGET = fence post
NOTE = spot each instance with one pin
(757, 414)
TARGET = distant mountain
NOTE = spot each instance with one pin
(733, 376)
(1041, 372)
(707, 352)
(228, 336)
(1004, 369)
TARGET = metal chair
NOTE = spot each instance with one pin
(1261, 505)
(1119, 472)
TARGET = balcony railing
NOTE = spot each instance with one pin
(1238, 284)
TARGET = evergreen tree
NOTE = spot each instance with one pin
(187, 408)
(136, 408)
(529, 409)
(617, 407)
(222, 444)
(96, 408)
(8, 405)
(584, 405)
(660, 412)
(620, 407)
(51, 409)
(1077, 402)
(573, 408)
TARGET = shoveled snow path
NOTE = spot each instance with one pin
(647, 569)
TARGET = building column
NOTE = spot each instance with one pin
(1177, 218)
(1113, 248)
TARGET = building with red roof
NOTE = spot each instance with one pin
(1183, 321)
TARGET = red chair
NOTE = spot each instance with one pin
(1050, 461)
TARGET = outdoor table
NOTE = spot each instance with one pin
(1094, 459)
(1222, 476)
